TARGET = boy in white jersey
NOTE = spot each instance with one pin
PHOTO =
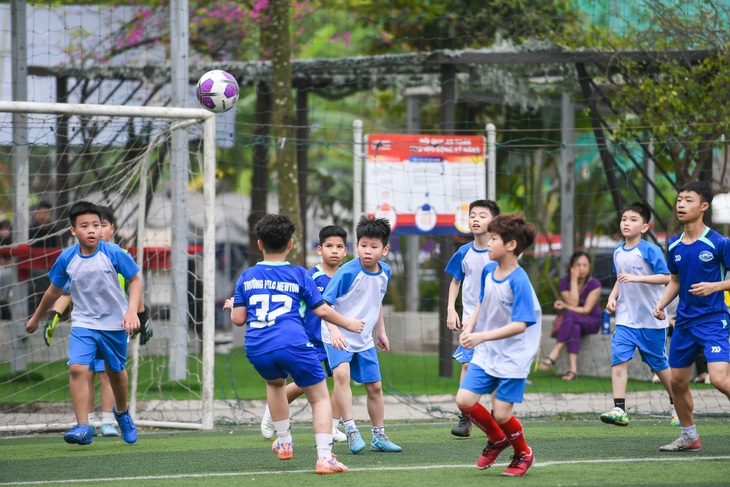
(357, 289)
(267, 300)
(333, 249)
(697, 259)
(91, 267)
(641, 276)
(504, 332)
(466, 268)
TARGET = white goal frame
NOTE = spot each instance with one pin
(185, 117)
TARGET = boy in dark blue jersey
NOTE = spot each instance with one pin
(697, 259)
(267, 299)
(333, 249)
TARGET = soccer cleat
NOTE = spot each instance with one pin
(519, 465)
(79, 435)
(330, 465)
(267, 424)
(50, 328)
(383, 443)
(683, 444)
(615, 416)
(490, 453)
(94, 432)
(129, 430)
(108, 429)
(674, 419)
(354, 440)
(285, 451)
(463, 429)
(338, 436)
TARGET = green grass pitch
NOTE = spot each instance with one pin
(568, 452)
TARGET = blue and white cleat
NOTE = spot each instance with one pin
(383, 443)
(129, 430)
(354, 440)
(79, 435)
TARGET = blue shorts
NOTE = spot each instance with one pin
(463, 355)
(686, 343)
(298, 361)
(99, 366)
(86, 345)
(478, 381)
(364, 366)
(651, 343)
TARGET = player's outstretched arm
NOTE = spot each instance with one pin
(49, 297)
(238, 314)
(327, 313)
(670, 292)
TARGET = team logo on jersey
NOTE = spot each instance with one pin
(705, 256)
(677, 258)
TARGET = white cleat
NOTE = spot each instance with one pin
(267, 425)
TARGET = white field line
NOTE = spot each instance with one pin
(669, 458)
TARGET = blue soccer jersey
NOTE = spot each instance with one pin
(312, 322)
(704, 260)
(357, 293)
(636, 300)
(99, 300)
(272, 293)
(503, 302)
(466, 266)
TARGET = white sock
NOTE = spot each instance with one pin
(107, 417)
(335, 424)
(350, 423)
(690, 432)
(378, 430)
(282, 431)
(91, 417)
(324, 444)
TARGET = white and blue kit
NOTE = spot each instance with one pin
(99, 302)
(357, 293)
(504, 364)
(466, 266)
(702, 321)
(276, 341)
(636, 326)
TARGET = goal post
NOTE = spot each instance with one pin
(124, 173)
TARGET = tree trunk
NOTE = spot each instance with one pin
(284, 122)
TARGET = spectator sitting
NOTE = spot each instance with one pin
(579, 312)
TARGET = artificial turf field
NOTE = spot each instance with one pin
(581, 452)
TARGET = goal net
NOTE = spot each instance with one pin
(154, 167)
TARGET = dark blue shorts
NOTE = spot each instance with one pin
(686, 343)
(301, 362)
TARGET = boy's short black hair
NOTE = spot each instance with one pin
(82, 208)
(332, 231)
(374, 228)
(108, 214)
(490, 205)
(275, 232)
(514, 227)
(639, 207)
(702, 188)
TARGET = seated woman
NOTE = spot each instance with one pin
(580, 312)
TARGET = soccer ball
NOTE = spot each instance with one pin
(217, 91)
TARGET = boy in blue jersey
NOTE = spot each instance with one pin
(504, 332)
(333, 249)
(357, 289)
(641, 277)
(466, 268)
(102, 318)
(697, 259)
(267, 300)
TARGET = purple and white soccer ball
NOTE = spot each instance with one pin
(217, 91)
